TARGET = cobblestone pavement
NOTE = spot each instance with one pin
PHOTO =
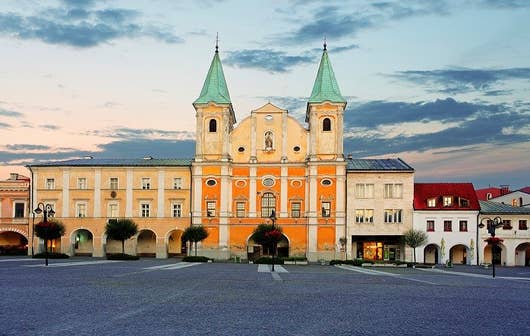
(84, 296)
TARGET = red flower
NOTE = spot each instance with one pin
(274, 234)
(493, 240)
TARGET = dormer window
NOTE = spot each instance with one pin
(464, 203)
(212, 126)
(431, 202)
(448, 201)
(326, 125)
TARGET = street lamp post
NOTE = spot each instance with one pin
(46, 210)
(492, 224)
(273, 220)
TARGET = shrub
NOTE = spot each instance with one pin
(268, 260)
(51, 255)
(121, 256)
(343, 262)
(293, 259)
(360, 262)
(195, 259)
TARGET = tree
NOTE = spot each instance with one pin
(195, 234)
(49, 230)
(414, 238)
(121, 229)
(268, 235)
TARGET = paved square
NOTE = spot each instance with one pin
(166, 297)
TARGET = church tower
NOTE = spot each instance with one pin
(325, 114)
(215, 115)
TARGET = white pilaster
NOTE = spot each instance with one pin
(97, 192)
(197, 195)
(198, 137)
(34, 185)
(285, 135)
(252, 191)
(66, 193)
(161, 190)
(283, 192)
(129, 194)
(253, 150)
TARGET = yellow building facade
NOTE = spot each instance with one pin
(85, 194)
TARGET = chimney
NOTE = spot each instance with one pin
(13, 176)
(505, 188)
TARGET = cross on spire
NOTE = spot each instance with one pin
(217, 42)
(325, 44)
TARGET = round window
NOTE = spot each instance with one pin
(211, 182)
(241, 149)
(241, 183)
(268, 182)
(268, 117)
(296, 148)
(326, 182)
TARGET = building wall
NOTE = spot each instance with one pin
(450, 239)
(515, 198)
(378, 203)
(128, 197)
(13, 229)
(516, 241)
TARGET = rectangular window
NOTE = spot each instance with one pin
(19, 210)
(393, 190)
(463, 226)
(146, 183)
(177, 183)
(113, 183)
(506, 224)
(431, 202)
(81, 210)
(50, 183)
(448, 226)
(240, 209)
(364, 190)
(393, 215)
(295, 209)
(522, 224)
(447, 201)
(81, 183)
(145, 210)
(113, 210)
(210, 209)
(176, 210)
(326, 209)
(430, 226)
(364, 216)
(464, 203)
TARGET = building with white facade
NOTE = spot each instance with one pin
(448, 213)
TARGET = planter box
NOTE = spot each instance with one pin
(301, 262)
(289, 262)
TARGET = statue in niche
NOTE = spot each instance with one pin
(268, 140)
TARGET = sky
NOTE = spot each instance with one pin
(442, 84)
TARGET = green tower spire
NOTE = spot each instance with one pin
(326, 87)
(214, 88)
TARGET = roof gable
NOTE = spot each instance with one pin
(214, 88)
(325, 87)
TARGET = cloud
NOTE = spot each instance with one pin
(4, 125)
(348, 21)
(146, 134)
(10, 113)
(505, 4)
(77, 24)
(50, 127)
(27, 147)
(266, 59)
(463, 80)
(380, 127)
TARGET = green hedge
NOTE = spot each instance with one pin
(195, 259)
(121, 256)
(292, 259)
(51, 255)
(268, 260)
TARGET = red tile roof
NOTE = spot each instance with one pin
(458, 191)
(525, 189)
(482, 194)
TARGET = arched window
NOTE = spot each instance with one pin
(326, 124)
(212, 125)
(268, 204)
